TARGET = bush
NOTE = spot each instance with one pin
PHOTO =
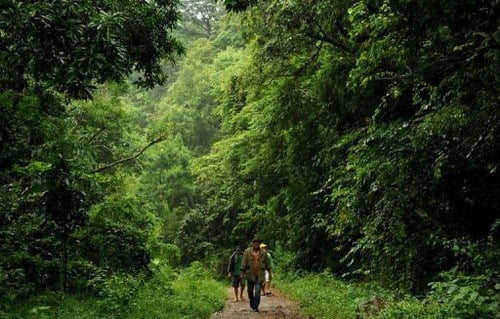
(12, 286)
(192, 294)
(471, 289)
(468, 296)
(117, 292)
(54, 306)
(411, 308)
(168, 254)
(323, 296)
(118, 235)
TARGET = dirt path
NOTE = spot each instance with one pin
(275, 306)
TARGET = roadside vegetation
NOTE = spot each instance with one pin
(141, 141)
(166, 293)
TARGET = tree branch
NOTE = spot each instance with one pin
(311, 59)
(332, 41)
(128, 159)
(96, 134)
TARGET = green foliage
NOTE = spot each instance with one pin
(199, 19)
(116, 293)
(70, 46)
(13, 285)
(54, 305)
(51, 54)
(413, 309)
(50, 194)
(191, 293)
(118, 235)
(238, 5)
(189, 102)
(194, 226)
(467, 296)
(166, 253)
(458, 294)
(359, 135)
(187, 115)
(366, 128)
(323, 296)
(470, 289)
(195, 284)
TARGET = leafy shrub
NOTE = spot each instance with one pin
(190, 294)
(164, 253)
(323, 296)
(84, 276)
(471, 288)
(12, 287)
(198, 295)
(53, 306)
(458, 297)
(118, 235)
(117, 292)
(468, 296)
(412, 308)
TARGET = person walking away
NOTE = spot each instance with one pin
(253, 265)
(234, 271)
(266, 286)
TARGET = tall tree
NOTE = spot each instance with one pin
(368, 126)
(51, 54)
(199, 18)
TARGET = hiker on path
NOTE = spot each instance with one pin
(255, 262)
(266, 286)
(234, 271)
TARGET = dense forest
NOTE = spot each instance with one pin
(140, 141)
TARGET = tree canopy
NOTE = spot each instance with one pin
(357, 138)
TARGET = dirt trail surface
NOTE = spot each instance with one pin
(274, 306)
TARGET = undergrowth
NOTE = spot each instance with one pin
(189, 293)
(323, 296)
(192, 295)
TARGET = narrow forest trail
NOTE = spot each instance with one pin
(275, 306)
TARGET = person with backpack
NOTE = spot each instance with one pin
(234, 271)
(255, 262)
